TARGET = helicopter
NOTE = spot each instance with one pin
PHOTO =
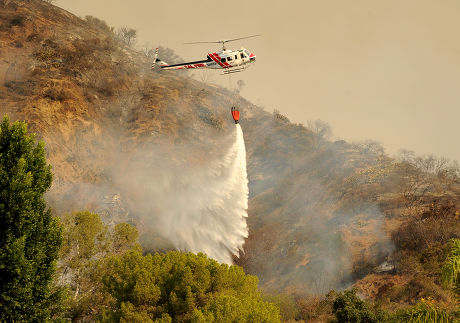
(231, 61)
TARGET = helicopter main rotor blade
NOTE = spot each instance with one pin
(229, 40)
(203, 42)
(221, 41)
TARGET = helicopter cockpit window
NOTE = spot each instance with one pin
(222, 59)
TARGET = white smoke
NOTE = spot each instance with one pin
(197, 208)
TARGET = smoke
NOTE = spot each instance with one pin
(196, 205)
(191, 196)
(314, 220)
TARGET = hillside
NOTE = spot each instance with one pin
(322, 215)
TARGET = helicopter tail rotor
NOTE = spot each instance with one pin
(157, 61)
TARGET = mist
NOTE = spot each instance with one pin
(191, 197)
(198, 208)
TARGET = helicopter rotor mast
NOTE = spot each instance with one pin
(221, 41)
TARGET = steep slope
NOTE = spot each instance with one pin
(113, 128)
(322, 214)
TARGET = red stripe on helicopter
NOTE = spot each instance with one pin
(196, 65)
(227, 65)
(215, 57)
(216, 60)
(187, 66)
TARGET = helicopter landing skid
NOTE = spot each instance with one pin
(233, 70)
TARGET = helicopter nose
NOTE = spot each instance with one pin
(252, 57)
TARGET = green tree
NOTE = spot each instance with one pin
(451, 268)
(30, 237)
(87, 243)
(182, 287)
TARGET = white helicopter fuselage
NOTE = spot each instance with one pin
(230, 61)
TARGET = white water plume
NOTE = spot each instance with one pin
(218, 225)
(198, 209)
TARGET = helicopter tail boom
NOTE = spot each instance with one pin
(180, 66)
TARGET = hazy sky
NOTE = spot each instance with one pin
(387, 70)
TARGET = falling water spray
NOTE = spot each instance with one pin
(197, 208)
(216, 225)
(179, 202)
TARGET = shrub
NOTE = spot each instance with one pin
(56, 92)
(451, 267)
(17, 20)
(277, 116)
(424, 311)
(98, 23)
(348, 307)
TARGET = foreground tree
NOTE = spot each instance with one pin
(87, 243)
(182, 287)
(30, 237)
